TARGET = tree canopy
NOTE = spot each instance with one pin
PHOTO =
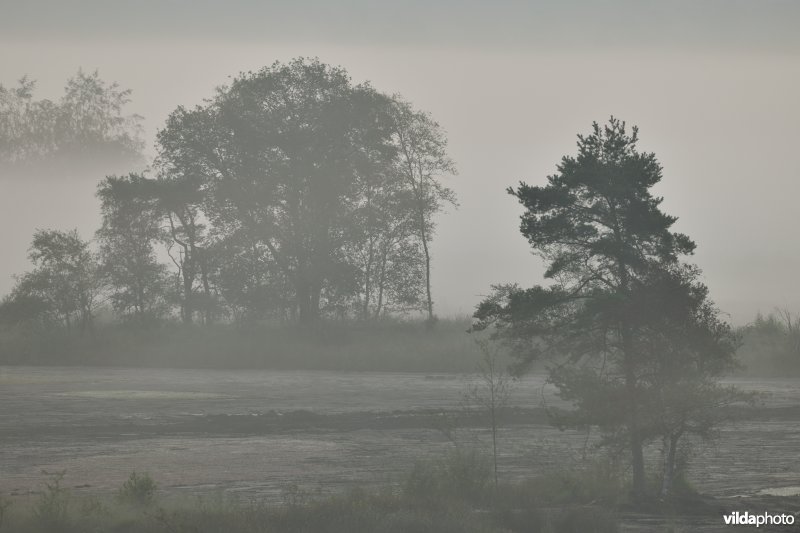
(292, 194)
(88, 120)
(304, 176)
(64, 285)
(628, 319)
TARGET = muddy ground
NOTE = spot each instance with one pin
(254, 434)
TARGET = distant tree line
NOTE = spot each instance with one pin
(771, 344)
(292, 194)
(88, 121)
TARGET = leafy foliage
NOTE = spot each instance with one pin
(88, 120)
(138, 489)
(321, 191)
(638, 345)
(771, 344)
(292, 194)
(461, 474)
(63, 287)
(130, 230)
(52, 508)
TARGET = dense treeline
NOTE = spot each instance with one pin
(88, 121)
(292, 195)
(770, 345)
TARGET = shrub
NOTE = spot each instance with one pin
(52, 508)
(594, 483)
(460, 475)
(5, 503)
(138, 490)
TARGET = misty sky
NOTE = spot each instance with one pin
(713, 85)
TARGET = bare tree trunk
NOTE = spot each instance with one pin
(207, 313)
(494, 434)
(368, 282)
(316, 295)
(671, 445)
(424, 238)
(637, 453)
(139, 306)
(186, 268)
(636, 446)
(428, 278)
(303, 301)
(381, 283)
(308, 298)
(188, 279)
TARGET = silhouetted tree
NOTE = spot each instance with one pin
(421, 161)
(771, 344)
(89, 120)
(323, 191)
(65, 281)
(281, 151)
(250, 284)
(130, 231)
(180, 199)
(27, 126)
(491, 393)
(631, 322)
(387, 249)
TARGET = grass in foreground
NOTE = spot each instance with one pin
(454, 494)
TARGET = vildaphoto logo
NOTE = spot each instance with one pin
(764, 519)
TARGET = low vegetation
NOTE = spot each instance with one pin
(138, 489)
(386, 345)
(454, 493)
